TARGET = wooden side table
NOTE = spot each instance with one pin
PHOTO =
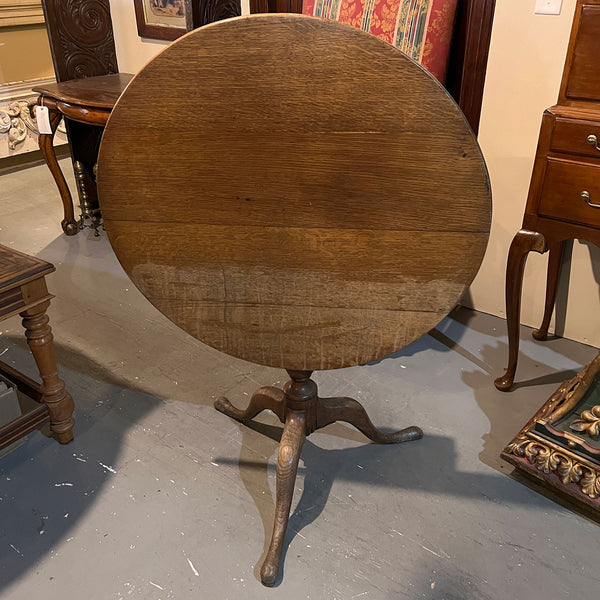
(23, 291)
(328, 206)
(90, 101)
(564, 194)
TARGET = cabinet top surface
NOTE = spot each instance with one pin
(98, 92)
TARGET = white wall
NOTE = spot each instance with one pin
(133, 52)
(526, 61)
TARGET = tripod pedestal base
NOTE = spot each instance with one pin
(301, 411)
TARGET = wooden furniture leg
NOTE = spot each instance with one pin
(46, 140)
(302, 411)
(266, 398)
(524, 242)
(292, 440)
(350, 411)
(555, 258)
(54, 395)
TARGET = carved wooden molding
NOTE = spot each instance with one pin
(548, 458)
(202, 12)
(550, 452)
(18, 128)
(20, 12)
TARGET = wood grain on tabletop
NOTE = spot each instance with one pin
(294, 192)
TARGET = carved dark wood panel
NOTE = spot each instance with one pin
(272, 6)
(82, 44)
(209, 11)
(81, 38)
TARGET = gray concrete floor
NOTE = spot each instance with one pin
(159, 496)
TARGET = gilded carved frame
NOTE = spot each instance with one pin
(564, 459)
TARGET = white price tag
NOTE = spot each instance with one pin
(43, 119)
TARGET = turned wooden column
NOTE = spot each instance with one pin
(23, 292)
(54, 394)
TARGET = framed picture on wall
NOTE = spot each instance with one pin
(160, 19)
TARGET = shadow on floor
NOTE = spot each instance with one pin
(423, 466)
(46, 488)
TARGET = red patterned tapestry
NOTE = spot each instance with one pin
(420, 28)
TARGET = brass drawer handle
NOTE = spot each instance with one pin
(592, 140)
(585, 195)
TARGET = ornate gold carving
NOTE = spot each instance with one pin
(562, 401)
(590, 483)
(16, 120)
(589, 422)
(549, 460)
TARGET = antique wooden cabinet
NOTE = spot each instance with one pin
(564, 194)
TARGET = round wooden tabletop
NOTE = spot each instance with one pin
(294, 192)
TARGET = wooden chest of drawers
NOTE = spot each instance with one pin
(570, 188)
(564, 195)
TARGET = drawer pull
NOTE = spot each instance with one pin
(585, 195)
(592, 140)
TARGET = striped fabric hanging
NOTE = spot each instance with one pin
(422, 29)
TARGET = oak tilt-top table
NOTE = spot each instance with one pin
(323, 204)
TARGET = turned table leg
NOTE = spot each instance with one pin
(59, 402)
(292, 439)
(351, 411)
(524, 242)
(554, 264)
(266, 398)
(304, 412)
(46, 140)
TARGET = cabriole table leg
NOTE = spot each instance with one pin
(523, 243)
(46, 141)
